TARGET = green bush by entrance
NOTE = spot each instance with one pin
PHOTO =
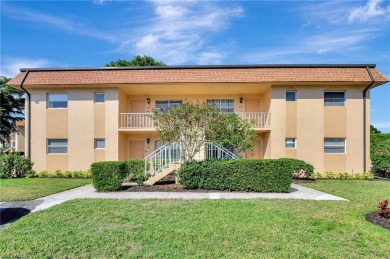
(259, 175)
(109, 175)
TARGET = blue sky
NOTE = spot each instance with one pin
(92, 33)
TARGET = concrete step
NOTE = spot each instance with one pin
(166, 171)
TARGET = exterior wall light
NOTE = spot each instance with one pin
(147, 140)
(241, 99)
(148, 100)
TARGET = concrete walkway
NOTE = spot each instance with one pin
(11, 211)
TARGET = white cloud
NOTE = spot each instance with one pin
(372, 9)
(179, 30)
(99, 2)
(10, 66)
(382, 124)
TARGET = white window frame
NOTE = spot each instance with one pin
(295, 95)
(99, 139)
(335, 91)
(169, 104)
(219, 103)
(335, 145)
(293, 142)
(48, 146)
(104, 97)
(48, 102)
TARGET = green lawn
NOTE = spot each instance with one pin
(23, 189)
(206, 229)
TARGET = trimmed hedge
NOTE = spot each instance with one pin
(380, 154)
(259, 175)
(109, 175)
(301, 168)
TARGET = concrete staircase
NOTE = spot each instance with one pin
(164, 172)
(167, 159)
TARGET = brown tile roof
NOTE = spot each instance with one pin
(197, 75)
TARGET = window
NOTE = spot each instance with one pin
(290, 142)
(291, 96)
(100, 143)
(334, 98)
(57, 100)
(334, 145)
(57, 146)
(223, 105)
(168, 104)
(99, 97)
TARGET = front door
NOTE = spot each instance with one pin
(137, 149)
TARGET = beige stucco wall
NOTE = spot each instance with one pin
(310, 122)
(80, 123)
(19, 139)
(307, 120)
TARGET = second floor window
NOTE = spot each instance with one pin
(223, 105)
(59, 100)
(99, 98)
(162, 106)
(334, 98)
(291, 96)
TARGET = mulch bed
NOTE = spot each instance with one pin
(167, 184)
(377, 219)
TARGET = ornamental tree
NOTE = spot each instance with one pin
(137, 61)
(11, 109)
(192, 123)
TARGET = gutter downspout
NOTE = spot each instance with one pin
(365, 119)
(29, 112)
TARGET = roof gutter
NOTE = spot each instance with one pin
(365, 119)
(28, 114)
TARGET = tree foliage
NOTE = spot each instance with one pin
(192, 123)
(374, 130)
(11, 108)
(137, 61)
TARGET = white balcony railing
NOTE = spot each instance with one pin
(145, 121)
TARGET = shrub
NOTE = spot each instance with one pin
(15, 165)
(383, 210)
(381, 165)
(265, 175)
(330, 175)
(380, 154)
(301, 168)
(65, 174)
(136, 170)
(108, 176)
(317, 175)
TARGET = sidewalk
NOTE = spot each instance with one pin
(19, 209)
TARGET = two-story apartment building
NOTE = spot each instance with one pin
(317, 113)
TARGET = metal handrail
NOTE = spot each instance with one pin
(145, 120)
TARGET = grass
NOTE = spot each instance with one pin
(23, 189)
(206, 229)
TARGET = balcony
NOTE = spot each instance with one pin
(144, 121)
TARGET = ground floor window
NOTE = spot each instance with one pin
(173, 151)
(290, 143)
(100, 143)
(334, 145)
(57, 146)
